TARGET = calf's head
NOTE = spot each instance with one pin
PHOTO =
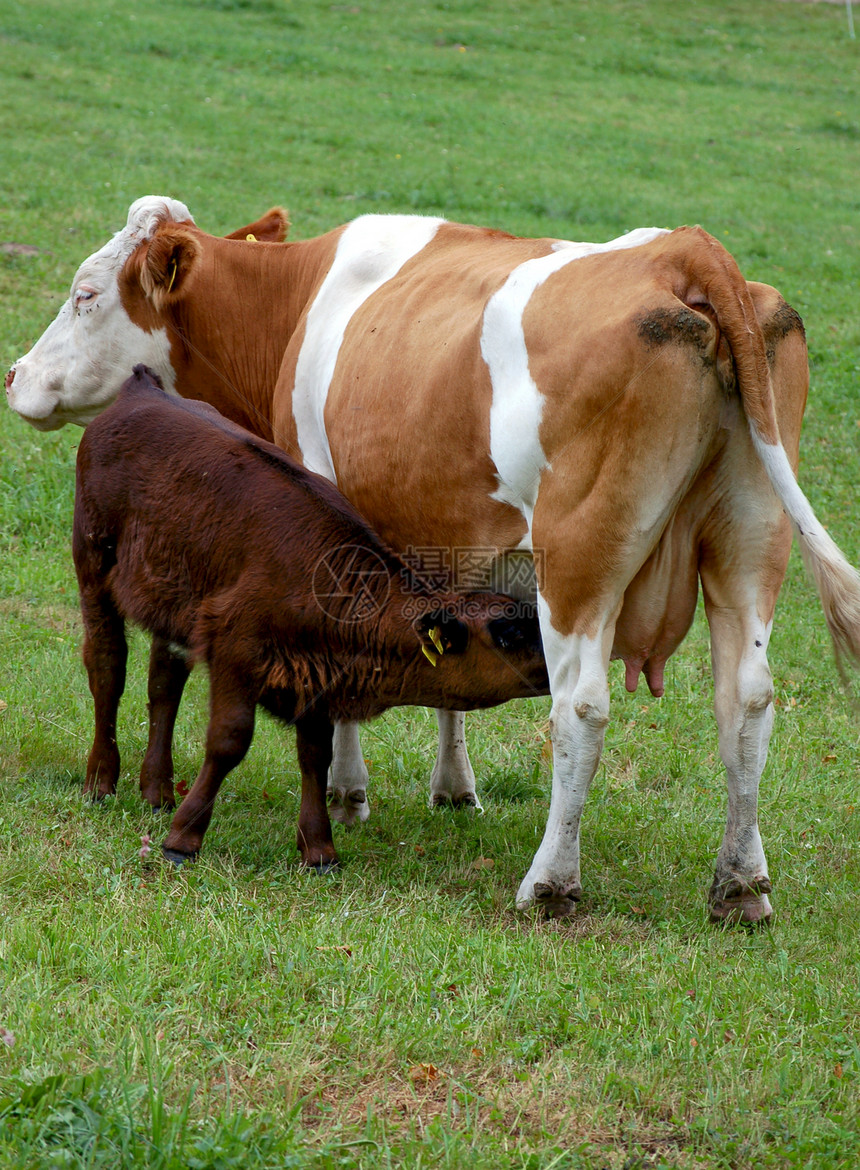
(77, 366)
(480, 649)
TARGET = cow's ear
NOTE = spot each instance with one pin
(170, 259)
(271, 229)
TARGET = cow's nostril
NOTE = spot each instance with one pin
(10, 378)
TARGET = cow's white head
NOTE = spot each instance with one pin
(77, 366)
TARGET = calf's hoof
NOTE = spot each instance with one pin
(97, 793)
(551, 897)
(456, 800)
(177, 858)
(347, 806)
(331, 865)
(159, 801)
(739, 902)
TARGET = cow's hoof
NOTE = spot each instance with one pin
(456, 800)
(738, 902)
(347, 806)
(176, 858)
(551, 898)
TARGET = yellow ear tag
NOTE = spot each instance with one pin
(429, 655)
(251, 238)
(173, 267)
(436, 640)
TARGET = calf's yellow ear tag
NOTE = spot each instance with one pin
(429, 655)
(251, 238)
(436, 640)
(172, 271)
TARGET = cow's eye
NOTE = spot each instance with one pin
(83, 293)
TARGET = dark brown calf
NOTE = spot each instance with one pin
(218, 543)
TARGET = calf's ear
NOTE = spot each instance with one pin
(271, 229)
(170, 259)
(441, 632)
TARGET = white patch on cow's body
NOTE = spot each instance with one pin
(631, 239)
(577, 667)
(517, 406)
(370, 252)
(75, 369)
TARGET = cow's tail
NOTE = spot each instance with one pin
(838, 583)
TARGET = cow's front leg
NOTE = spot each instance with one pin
(453, 780)
(105, 655)
(168, 674)
(347, 777)
(744, 710)
(578, 667)
(314, 735)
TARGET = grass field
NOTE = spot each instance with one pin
(246, 1014)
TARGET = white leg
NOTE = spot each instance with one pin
(347, 777)
(580, 712)
(744, 709)
(453, 780)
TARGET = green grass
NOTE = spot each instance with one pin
(401, 1014)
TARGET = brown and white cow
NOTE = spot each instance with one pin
(269, 576)
(626, 413)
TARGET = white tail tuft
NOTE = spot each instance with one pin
(837, 582)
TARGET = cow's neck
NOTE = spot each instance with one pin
(229, 335)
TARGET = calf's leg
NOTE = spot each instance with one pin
(168, 674)
(314, 734)
(105, 654)
(228, 737)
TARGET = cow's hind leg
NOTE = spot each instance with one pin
(453, 780)
(168, 674)
(347, 777)
(744, 709)
(740, 607)
(105, 655)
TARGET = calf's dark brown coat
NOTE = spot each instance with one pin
(214, 540)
